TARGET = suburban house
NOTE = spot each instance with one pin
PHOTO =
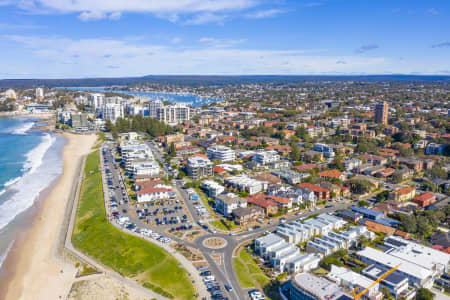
(154, 194)
(424, 199)
(320, 192)
(245, 215)
(403, 194)
(332, 174)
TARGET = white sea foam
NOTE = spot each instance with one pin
(2, 192)
(23, 129)
(12, 181)
(37, 176)
(5, 254)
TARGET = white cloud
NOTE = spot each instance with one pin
(221, 43)
(261, 14)
(204, 18)
(203, 10)
(94, 57)
(91, 16)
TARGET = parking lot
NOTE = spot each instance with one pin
(158, 215)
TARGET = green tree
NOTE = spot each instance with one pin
(424, 228)
(295, 152)
(424, 294)
(360, 186)
(172, 152)
(409, 223)
(301, 133)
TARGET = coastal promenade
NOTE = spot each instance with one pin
(68, 246)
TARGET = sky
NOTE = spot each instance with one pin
(118, 38)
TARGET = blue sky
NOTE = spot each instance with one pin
(111, 38)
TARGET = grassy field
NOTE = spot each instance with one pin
(128, 255)
(250, 275)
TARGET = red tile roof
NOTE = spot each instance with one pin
(331, 173)
(424, 197)
(219, 170)
(313, 187)
(265, 203)
(372, 226)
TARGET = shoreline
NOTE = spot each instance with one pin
(32, 267)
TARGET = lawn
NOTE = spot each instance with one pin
(100, 139)
(250, 275)
(128, 255)
(209, 205)
(219, 225)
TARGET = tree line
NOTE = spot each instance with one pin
(151, 126)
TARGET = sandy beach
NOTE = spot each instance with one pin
(36, 272)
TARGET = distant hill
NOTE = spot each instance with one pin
(208, 80)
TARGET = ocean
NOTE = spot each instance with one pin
(30, 161)
(194, 100)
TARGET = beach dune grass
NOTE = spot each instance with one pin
(130, 256)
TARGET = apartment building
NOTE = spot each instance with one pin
(265, 157)
(173, 114)
(226, 203)
(112, 111)
(221, 153)
(199, 166)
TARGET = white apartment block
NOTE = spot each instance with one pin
(145, 168)
(153, 107)
(112, 112)
(285, 257)
(96, 101)
(173, 114)
(265, 157)
(221, 153)
(212, 188)
(245, 183)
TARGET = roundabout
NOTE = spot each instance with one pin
(214, 243)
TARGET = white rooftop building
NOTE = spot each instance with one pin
(265, 157)
(415, 273)
(243, 182)
(352, 280)
(307, 286)
(222, 153)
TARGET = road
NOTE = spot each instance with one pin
(223, 271)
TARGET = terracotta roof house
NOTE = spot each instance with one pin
(320, 192)
(425, 199)
(403, 194)
(385, 173)
(219, 170)
(332, 174)
(282, 202)
(391, 153)
(152, 194)
(373, 159)
(402, 234)
(268, 178)
(375, 227)
(281, 149)
(269, 206)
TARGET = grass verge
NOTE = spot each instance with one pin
(130, 256)
(251, 275)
